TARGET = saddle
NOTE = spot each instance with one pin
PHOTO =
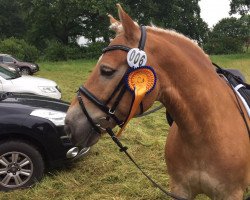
(238, 82)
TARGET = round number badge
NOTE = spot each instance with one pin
(136, 58)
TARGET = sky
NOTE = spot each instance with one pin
(213, 11)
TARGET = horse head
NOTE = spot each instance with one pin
(104, 101)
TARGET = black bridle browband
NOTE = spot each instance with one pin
(116, 47)
(109, 111)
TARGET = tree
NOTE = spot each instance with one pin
(65, 20)
(95, 23)
(53, 19)
(182, 16)
(188, 20)
(245, 24)
(227, 36)
(11, 21)
(240, 6)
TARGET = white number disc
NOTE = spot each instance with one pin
(136, 58)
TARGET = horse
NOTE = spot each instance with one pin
(207, 148)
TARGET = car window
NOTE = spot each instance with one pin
(7, 74)
(7, 59)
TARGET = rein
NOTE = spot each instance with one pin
(110, 111)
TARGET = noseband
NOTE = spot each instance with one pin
(103, 106)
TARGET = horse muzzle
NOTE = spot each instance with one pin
(80, 130)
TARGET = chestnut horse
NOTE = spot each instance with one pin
(207, 148)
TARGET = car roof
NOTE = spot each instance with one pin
(3, 54)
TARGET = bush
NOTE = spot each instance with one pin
(224, 45)
(19, 49)
(94, 50)
(74, 52)
(55, 51)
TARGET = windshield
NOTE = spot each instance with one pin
(7, 74)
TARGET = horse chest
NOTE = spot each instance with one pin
(201, 181)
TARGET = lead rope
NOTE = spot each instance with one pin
(124, 149)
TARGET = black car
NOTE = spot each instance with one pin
(32, 138)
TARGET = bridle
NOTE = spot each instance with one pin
(103, 106)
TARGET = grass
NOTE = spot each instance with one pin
(105, 173)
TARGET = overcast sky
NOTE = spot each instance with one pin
(214, 10)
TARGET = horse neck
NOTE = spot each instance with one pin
(187, 82)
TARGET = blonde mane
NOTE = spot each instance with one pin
(177, 35)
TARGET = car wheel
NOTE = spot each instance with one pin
(25, 71)
(21, 165)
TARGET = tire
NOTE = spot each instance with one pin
(21, 165)
(25, 71)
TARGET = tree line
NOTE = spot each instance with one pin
(52, 27)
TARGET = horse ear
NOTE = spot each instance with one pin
(130, 28)
(112, 19)
(115, 25)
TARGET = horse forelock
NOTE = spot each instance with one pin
(116, 26)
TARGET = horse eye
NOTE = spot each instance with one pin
(107, 71)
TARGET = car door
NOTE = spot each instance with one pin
(5, 85)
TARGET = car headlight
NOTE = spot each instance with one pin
(55, 117)
(58, 88)
(48, 89)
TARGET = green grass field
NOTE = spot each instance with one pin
(105, 173)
